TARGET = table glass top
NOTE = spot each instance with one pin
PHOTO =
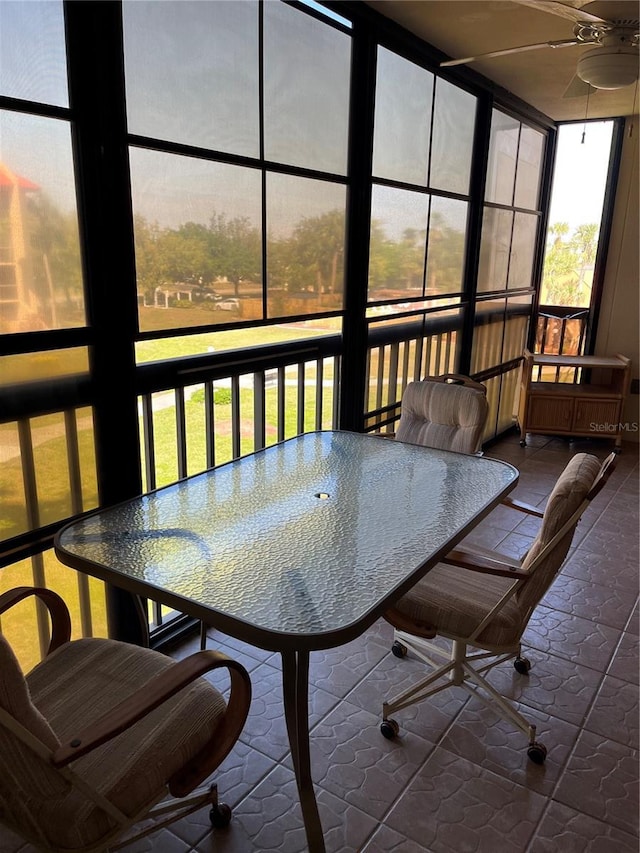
(306, 537)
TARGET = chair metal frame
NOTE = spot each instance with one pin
(457, 665)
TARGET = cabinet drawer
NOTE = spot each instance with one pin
(598, 416)
(550, 413)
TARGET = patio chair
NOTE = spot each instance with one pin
(482, 601)
(101, 731)
(448, 412)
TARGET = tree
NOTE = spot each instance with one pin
(567, 263)
(445, 256)
(585, 242)
(235, 247)
(196, 253)
(54, 253)
(380, 259)
(316, 252)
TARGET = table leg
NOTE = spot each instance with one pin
(295, 687)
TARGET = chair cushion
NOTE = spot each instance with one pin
(452, 601)
(78, 684)
(447, 417)
(26, 779)
(569, 492)
(15, 698)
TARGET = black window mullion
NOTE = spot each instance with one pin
(355, 328)
(477, 183)
(263, 183)
(96, 94)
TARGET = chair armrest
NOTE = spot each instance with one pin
(58, 611)
(512, 503)
(497, 564)
(154, 693)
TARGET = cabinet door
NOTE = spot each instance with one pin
(598, 416)
(551, 414)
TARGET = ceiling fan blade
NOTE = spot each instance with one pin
(565, 10)
(578, 88)
(561, 43)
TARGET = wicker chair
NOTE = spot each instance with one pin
(484, 600)
(98, 733)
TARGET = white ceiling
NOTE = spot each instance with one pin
(463, 28)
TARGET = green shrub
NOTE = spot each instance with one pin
(221, 396)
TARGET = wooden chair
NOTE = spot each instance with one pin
(100, 732)
(482, 601)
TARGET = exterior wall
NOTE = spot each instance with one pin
(618, 326)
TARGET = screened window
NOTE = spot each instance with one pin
(33, 64)
(306, 91)
(453, 126)
(508, 241)
(192, 72)
(423, 136)
(305, 248)
(41, 282)
(503, 152)
(206, 226)
(404, 98)
(575, 213)
(198, 236)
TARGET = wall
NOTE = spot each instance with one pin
(618, 326)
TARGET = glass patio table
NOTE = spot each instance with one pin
(297, 547)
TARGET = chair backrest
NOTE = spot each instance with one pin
(26, 778)
(581, 480)
(448, 415)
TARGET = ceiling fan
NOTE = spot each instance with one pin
(613, 62)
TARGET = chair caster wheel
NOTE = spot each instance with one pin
(537, 752)
(399, 649)
(389, 729)
(522, 665)
(220, 816)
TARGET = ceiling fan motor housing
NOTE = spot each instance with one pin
(615, 64)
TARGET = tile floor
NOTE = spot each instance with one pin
(457, 779)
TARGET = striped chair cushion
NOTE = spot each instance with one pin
(452, 601)
(15, 698)
(26, 779)
(569, 492)
(75, 686)
(447, 417)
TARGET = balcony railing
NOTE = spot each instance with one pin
(560, 331)
(196, 413)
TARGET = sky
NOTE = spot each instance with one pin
(580, 173)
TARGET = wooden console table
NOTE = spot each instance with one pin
(573, 409)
